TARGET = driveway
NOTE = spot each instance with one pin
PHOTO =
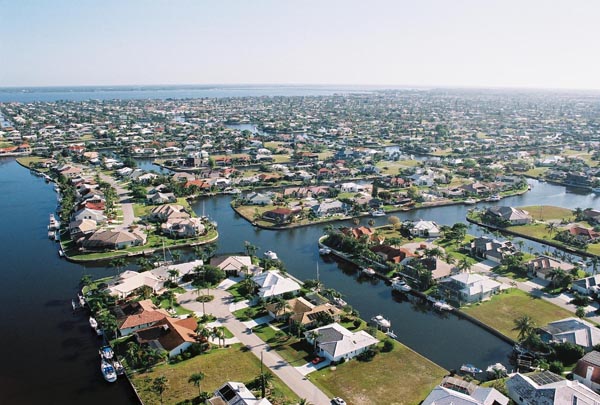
(309, 367)
(293, 378)
(124, 200)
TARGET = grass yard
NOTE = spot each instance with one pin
(140, 210)
(218, 366)
(534, 230)
(397, 377)
(536, 172)
(546, 212)
(245, 314)
(27, 161)
(234, 290)
(501, 311)
(394, 167)
(293, 350)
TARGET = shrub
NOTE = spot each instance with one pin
(568, 353)
(357, 323)
(556, 367)
(580, 312)
(205, 298)
(388, 346)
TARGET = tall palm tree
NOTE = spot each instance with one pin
(196, 379)
(280, 305)
(464, 264)
(525, 325)
(313, 335)
(117, 264)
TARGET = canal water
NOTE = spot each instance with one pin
(50, 354)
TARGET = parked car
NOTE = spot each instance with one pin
(317, 360)
(338, 401)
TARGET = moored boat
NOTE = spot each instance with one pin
(367, 271)
(269, 254)
(106, 352)
(108, 371)
(495, 197)
(497, 369)
(400, 285)
(470, 201)
(93, 322)
(378, 213)
(381, 322)
(324, 251)
(120, 370)
(442, 306)
(469, 368)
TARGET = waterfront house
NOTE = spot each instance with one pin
(334, 342)
(81, 228)
(470, 287)
(258, 199)
(491, 249)
(235, 393)
(591, 215)
(329, 207)
(587, 370)
(235, 265)
(542, 266)
(454, 391)
(183, 227)
(588, 285)
(162, 272)
(583, 234)
(425, 229)
(126, 283)
(168, 211)
(112, 240)
(134, 315)
(280, 215)
(297, 305)
(169, 334)
(273, 283)
(87, 213)
(572, 330)
(391, 254)
(509, 215)
(547, 388)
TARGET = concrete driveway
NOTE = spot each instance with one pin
(293, 378)
(309, 367)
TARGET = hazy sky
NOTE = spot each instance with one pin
(520, 43)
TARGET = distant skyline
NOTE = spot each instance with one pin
(425, 43)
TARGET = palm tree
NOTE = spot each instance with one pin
(144, 264)
(196, 379)
(313, 335)
(173, 274)
(525, 325)
(159, 386)
(280, 305)
(448, 258)
(304, 401)
(551, 227)
(556, 275)
(250, 248)
(117, 264)
(464, 264)
(176, 255)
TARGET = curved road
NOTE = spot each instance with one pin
(219, 307)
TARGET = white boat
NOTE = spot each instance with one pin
(106, 352)
(324, 251)
(54, 224)
(400, 285)
(367, 271)
(51, 235)
(469, 368)
(378, 213)
(108, 371)
(75, 304)
(269, 254)
(391, 334)
(442, 306)
(93, 322)
(339, 302)
(61, 253)
(470, 201)
(81, 300)
(381, 322)
(495, 197)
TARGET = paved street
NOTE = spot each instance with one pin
(124, 199)
(219, 307)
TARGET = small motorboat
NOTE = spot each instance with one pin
(469, 368)
(93, 322)
(400, 285)
(61, 253)
(108, 371)
(81, 300)
(470, 201)
(269, 254)
(324, 251)
(367, 271)
(381, 322)
(75, 304)
(118, 367)
(106, 352)
(51, 235)
(495, 197)
(442, 306)
(378, 213)
(339, 302)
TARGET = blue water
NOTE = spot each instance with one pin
(32, 94)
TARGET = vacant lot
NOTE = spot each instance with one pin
(501, 311)
(546, 212)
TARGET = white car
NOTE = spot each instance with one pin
(338, 401)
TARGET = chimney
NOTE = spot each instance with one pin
(589, 372)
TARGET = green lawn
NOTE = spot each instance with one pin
(234, 290)
(501, 311)
(393, 168)
(246, 314)
(536, 172)
(293, 350)
(546, 212)
(179, 310)
(141, 210)
(534, 230)
(398, 377)
(27, 161)
(218, 366)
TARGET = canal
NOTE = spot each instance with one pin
(50, 354)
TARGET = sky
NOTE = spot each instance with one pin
(455, 43)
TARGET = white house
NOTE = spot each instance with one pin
(471, 287)
(162, 272)
(238, 265)
(425, 229)
(272, 283)
(334, 342)
(129, 281)
(453, 391)
(86, 213)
